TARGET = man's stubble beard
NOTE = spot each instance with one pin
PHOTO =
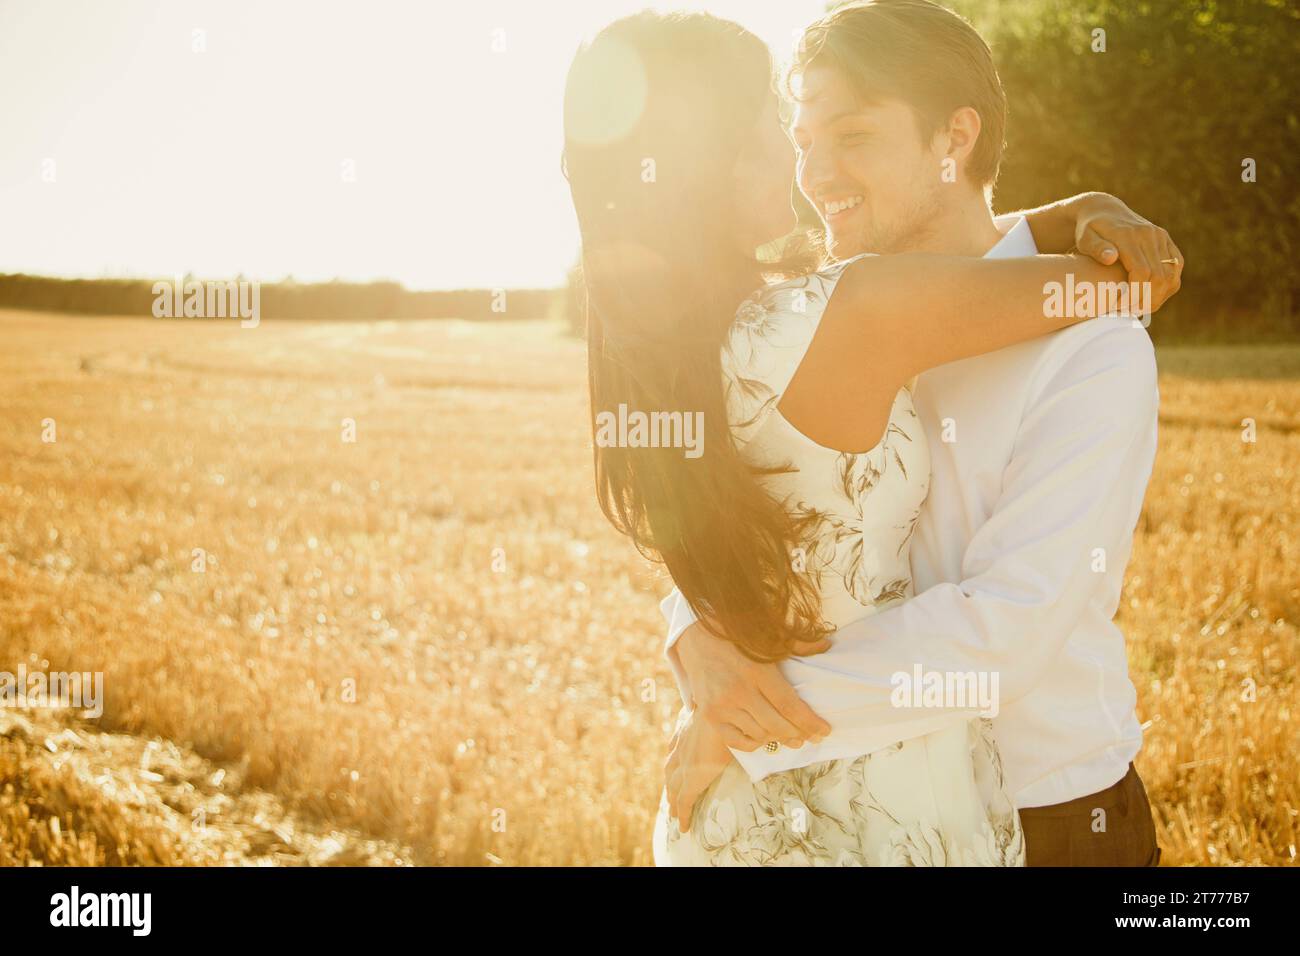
(914, 228)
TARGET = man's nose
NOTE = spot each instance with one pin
(818, 171)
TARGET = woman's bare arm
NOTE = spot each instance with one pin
(891, 317)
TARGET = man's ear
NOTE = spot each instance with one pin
(962, 134)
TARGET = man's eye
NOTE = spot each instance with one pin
(849, 139)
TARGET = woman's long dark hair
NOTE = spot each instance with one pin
(658, 108)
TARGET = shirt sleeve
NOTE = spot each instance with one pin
(1075, 483)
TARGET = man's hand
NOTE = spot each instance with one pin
(746, 703)
(1105, 230)
(696, 757)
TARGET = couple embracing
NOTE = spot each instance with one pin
(914, 467)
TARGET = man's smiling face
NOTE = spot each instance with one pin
(865, 166)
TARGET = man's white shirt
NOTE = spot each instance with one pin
(1041, 454)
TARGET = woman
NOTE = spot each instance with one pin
(680, 170)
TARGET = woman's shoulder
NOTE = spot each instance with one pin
(833, 270)
(799, 295)
(768, 340)
(776, 323)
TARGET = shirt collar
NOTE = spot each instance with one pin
(1015, 242)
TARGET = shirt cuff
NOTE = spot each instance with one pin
(677, 612)
(844, 744)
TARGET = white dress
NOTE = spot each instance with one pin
(936, 800)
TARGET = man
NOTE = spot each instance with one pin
(1041, 454)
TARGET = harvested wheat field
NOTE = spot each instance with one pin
(425, 646)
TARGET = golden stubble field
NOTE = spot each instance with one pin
(426, 646)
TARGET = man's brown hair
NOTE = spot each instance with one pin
(921, 53)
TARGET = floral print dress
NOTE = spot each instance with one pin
(935, 800)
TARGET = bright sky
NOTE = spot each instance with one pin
(126, 152)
